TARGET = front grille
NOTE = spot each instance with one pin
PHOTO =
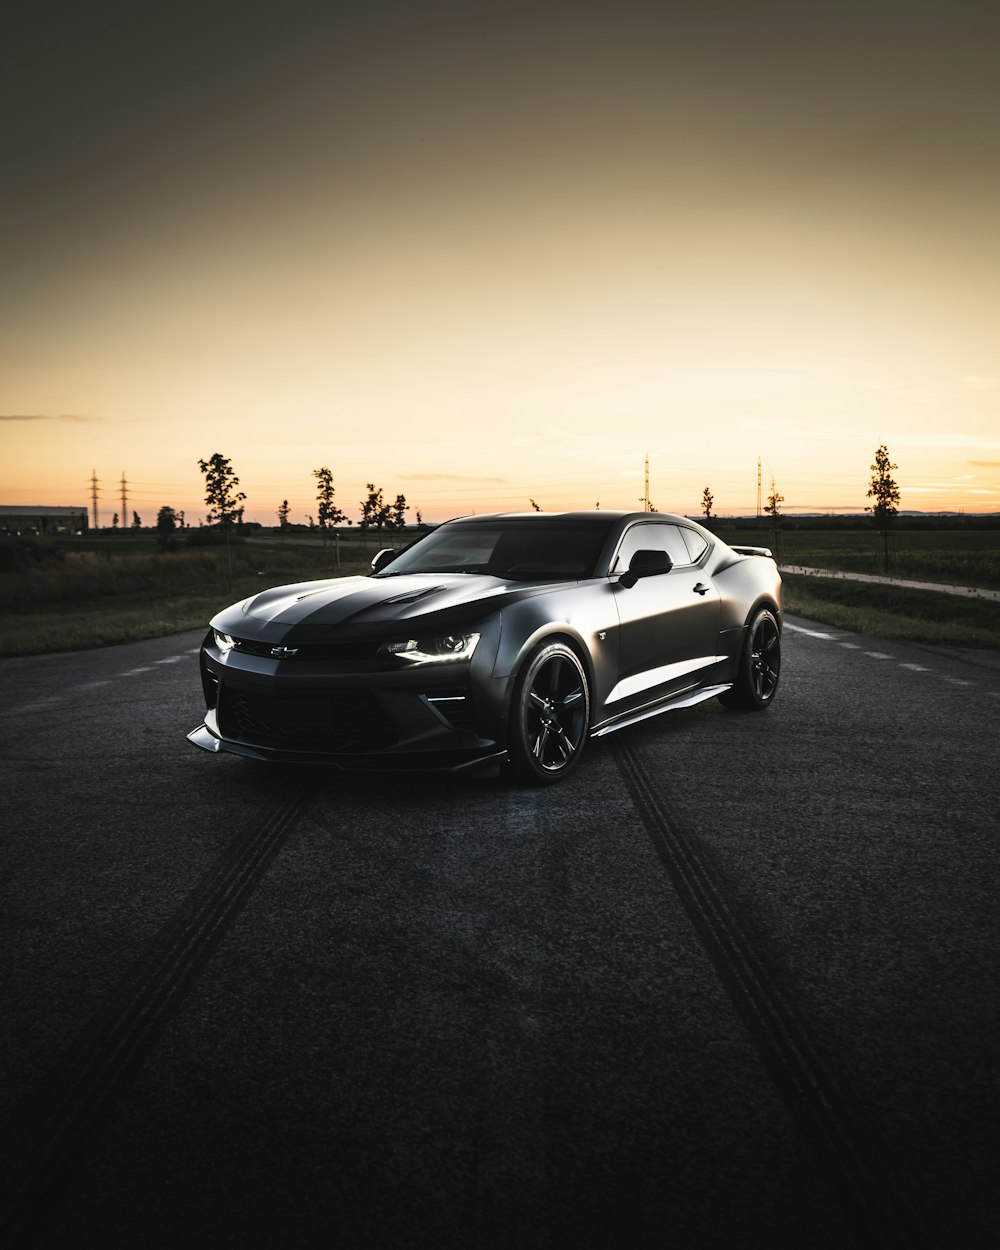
(311, 650)
(348, 721)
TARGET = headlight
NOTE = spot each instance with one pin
(224, 642)
(444, 648)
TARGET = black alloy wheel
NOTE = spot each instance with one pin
(760, 665)
(550, 715)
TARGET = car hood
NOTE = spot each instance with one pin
(361, 605)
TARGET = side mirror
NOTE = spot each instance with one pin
(382, 558)
(646, 563)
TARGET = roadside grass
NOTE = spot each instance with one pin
(894, 612)
(956, 557)
(93, 595)
(91, 600)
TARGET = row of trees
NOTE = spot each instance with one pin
(882, 489)
(225, 501)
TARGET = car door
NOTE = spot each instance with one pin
(668, 622)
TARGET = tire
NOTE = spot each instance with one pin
(760, 665)
(550, 715)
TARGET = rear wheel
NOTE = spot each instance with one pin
(760, 665)
(550, 715)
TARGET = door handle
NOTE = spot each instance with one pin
(701, 589)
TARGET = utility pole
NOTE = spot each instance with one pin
(759, 511)
(124, 502)
(93, 494)
(645, 491)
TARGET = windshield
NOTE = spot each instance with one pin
(523, 551)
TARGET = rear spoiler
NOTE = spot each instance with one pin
(753, 551)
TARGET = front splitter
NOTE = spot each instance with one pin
(413, 762)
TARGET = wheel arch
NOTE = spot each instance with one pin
(767, 601)
(552, 632)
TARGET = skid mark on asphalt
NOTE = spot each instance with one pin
(879, 1199)
(50, 1133)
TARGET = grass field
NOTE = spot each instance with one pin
(956, 557)
(122, 588)
(92, 598)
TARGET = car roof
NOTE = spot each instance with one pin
(586, 514)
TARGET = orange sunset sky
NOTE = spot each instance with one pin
(480, 254)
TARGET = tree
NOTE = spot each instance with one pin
(773, 510)
(166, 523)
(114, 521)
(536, 506)
(419, 518)
(707, 499)
(223, 499)
(883, 488)
(885, 492)
(374, 510)
(328, 512)
(136, 521)
(283, 514)
(221, 495)
(399, 510)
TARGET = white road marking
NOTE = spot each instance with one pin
(93, 685)
(813, 633)
(171, 659)
(134, 672)
(882, 655)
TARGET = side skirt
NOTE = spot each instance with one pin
(688, 699)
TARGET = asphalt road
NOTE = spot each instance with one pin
(733, 984)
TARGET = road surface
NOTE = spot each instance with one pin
(734, 983)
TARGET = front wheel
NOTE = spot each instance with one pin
(550, 715)
(760, 665)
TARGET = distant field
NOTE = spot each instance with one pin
(106, 589)
(957, 557)
(93, 595)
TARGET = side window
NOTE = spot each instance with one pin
(651, 536)
(696, 545)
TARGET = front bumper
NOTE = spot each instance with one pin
(433, 719)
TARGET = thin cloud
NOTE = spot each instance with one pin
(980, 382)
(450, 477)
(985, 464)
(950, 442)
(41, 416)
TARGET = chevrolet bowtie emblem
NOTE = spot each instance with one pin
(282, 653)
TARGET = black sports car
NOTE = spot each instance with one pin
(512, 637)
